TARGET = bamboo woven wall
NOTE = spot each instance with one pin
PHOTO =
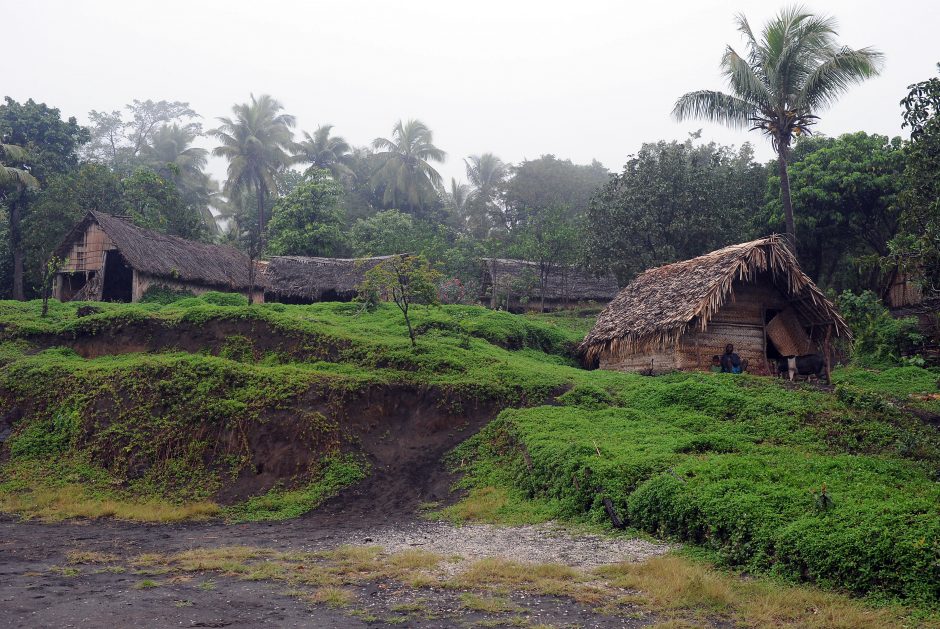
(739, 322)
(87, 253)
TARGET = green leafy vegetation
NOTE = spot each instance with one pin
(797, 483)
(283, 504)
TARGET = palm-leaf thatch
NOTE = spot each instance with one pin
(161, 255)
(311, 279)
(564, 284)
(661, 304)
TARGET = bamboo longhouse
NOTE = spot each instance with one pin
(678, 316)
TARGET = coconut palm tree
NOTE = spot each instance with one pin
(170, 154)
(14, 180)
(487, 173)
(794, 70)
(409, 180)
(257, 142)
(321, 150)
(13, 176)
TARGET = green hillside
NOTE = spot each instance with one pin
(186, 410)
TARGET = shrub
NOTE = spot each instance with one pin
(880, 340)
(224, 299)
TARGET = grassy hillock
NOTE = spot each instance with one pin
(164, 412)
(151, 411)
(796, 482)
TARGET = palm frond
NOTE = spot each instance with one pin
(715, 107)
(835, 75)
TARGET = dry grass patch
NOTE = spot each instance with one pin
(89, 556)
(333, 597)
(674, 585)
(488, 604)
(73, 501)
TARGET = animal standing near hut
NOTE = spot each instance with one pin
(678, 316)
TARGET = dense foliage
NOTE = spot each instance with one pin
(846, 190)
(673, 201)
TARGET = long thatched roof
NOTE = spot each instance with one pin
(166, 256)
(564, 283)
(311, 278)
(662, 303)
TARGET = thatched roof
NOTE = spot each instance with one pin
(166, 256)
(298, 277)
(565, 283)
(662, 303)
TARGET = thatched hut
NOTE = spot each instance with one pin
(514, 285)
(108, 258)
(305, 280)
(752, 295)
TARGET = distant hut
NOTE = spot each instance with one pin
(752, 295)
(305, 280)
(108, 258)
(514, 285)
(902, 290)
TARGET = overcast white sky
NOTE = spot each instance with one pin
(580, 79)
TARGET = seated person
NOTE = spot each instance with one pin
(730, 362)
(716, 364)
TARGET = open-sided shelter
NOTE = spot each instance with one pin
(108, 258)
(752, 295)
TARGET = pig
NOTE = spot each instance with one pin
(806, 365)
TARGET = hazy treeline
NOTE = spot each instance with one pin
(858, 199)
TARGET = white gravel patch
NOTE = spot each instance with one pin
(542, 543)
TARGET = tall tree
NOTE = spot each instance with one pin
(257, 141)
(326, 152)
(487, 175)
(50, 145)
(548, 183)
(785, 78)
(919, 244)
(309, 221)
(405, 174)
(118, 139)
(171, 155)
(673, 200)
(846, 189)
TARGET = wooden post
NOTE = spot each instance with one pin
(827, 352)
(763, 318)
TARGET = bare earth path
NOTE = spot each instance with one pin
(38, 588)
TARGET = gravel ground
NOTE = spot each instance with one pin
(543, 543)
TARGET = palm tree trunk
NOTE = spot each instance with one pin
(254, 252)
(785, 192)
(16, 244)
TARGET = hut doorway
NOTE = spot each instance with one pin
(118, 278)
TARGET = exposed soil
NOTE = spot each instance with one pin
(404, 431)
(35, 592)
